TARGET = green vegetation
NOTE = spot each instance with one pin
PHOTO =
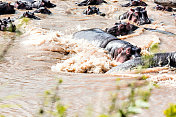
(171, 111)
(52, 105)
(154, 48)
(11, 28)
(22, 22)
(147, 59)
(135, 100)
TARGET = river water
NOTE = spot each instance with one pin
(34, 61)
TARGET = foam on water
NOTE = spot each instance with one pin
(84, 57)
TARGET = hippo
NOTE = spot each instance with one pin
(170, 3)
(91, 2)
(29, 4)
(29, 15)
(23, 5)
(137, 15)
(6, 8)
(121, 28)
(42, 3)
(119, 50)
(93, 10)
(7, 25)
(163, 8)
(43, 10)
(135, 3)
(156, 60)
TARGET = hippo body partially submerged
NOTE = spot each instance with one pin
(7, 25)
(163, 8)
(137, 15)
(42, 3)
(156, 60)
(170, 3)
(43, 10)
(119, 50)
(6, 8)
(93, 10)
(30, 15)
(29, 4)
(91, 2)
(23, 4)
(134, 3)
(121, 28)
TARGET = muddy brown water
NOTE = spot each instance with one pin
(25, 71)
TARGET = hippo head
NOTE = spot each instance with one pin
(123, 54)
(137, 15)
(47, 3)
(91, 10)
(121, 28)
(138, 3)
(91, 2)
(163, 8)
(23, 5)
(43, 10)
(135, 3)
(29, 15)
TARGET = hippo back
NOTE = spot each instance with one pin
(27, 1)
(158, 60)
(95, 36)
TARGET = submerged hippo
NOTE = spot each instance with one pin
(91, 2)
(157, 60)
(121, 28)
(135, 3)
(29, 4)
(42, 3)
(6, 8)
(43, 10)
(29, 15)
(93, 10)
(119, 50)
(163, 8)
(22, 4)
(170, 3)
(137, 15)
(7, 25)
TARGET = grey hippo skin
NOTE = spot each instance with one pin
(171, 3)
(29, 4)
(157, 60)
(91, 2)
(6, 8)
(119, 50)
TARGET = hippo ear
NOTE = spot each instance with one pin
(128, 51)
(139, 50)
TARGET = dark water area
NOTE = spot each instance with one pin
(25, 70)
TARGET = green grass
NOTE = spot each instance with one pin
(170, 111)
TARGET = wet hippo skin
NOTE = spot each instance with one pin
(137, 15)
(91, 2)
(135, 3)
(119, 50)
(6, 8)
(29, 4)
(157, 60)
